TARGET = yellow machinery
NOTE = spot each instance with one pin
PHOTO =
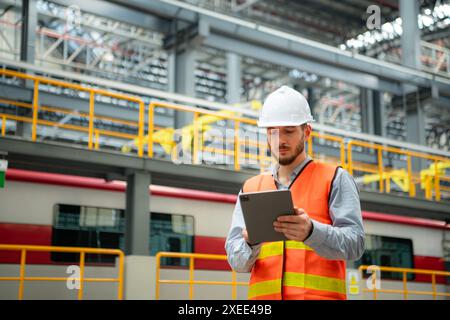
(401, 178)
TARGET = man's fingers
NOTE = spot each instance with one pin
(299, 211)
(287, 230)
(245, 234)
(291, 235)
(290, 218)
(286, 225)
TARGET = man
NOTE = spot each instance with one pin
(327, 227)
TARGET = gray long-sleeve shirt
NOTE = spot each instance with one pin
(343, 240)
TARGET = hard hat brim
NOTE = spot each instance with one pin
(281, 124)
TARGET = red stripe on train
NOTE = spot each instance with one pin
(118, 186)
(11, 233)
(429, 263)
(210, 245)
(28, 234)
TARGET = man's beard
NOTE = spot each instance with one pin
(288, 160)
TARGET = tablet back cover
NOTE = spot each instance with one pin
(261, 209)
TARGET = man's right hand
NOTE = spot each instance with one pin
(245, 234)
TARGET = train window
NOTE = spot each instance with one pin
(83, 226)
(390, 252)
(172, 233)
(95, 227)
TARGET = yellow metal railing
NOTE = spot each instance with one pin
(339, 140)
(82, 279)
(97, 132)
(433, 180)
(384, 172)
(92, 93)
(192, 256)
(405, 291)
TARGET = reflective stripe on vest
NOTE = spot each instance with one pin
(270, 249)
(300, 280)
(291, 269)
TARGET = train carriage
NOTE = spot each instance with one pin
(46, 209)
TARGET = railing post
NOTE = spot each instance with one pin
(411, 188)
(195, 146)
(233, 284)
(405, 288)
(191, 278)
(349, 158)
(141, 128)
(151, 124)
(35, 110)
(374, 285)
(237, 146)
(380, 168)
(433, 285)
(3, 126)
(91, 117)
(437, 190)
(120, 286)
(80, 291)
(158, 267)
(23, 255)
(343, 164)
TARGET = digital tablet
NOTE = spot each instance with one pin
(261, 209)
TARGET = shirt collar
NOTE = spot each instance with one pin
(297, 169)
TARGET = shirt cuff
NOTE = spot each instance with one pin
(253, 248)
(251, 252)
(318, 236)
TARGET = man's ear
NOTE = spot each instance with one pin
(307, 131)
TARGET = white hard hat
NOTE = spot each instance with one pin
(285, 107)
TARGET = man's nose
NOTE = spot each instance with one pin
(282, 139)
(279, 137)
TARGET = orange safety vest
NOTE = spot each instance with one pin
(288, 270)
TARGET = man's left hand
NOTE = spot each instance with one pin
(295, 227)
